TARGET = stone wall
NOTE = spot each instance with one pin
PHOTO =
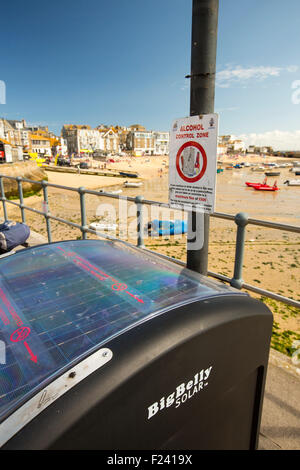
(29, 170)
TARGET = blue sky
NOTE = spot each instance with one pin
(124, 62)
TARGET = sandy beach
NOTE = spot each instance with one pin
(272, 257)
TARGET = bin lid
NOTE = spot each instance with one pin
(60, 302)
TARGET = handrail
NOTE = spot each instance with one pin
(241, 219)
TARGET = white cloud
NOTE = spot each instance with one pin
(186, 86)
(231, 108)
(292, 68)
(241, 74)
(279, 140)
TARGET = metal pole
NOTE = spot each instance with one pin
(46, 210)
(202, 99)
(19, 180)
(3, 199)
(140, 223)
(81, 191)
(241, 220)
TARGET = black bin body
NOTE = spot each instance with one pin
(126, 351)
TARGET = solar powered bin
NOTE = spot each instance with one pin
(105, 346)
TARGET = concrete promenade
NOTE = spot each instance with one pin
(280, 425)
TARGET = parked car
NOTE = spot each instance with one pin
(83, 165)
(63, 162)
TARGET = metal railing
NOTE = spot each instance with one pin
(241, 220)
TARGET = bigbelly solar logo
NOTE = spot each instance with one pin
(184, 392)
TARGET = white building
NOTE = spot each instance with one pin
(238, 146)
(81, 138)
(161, 143)
(62, 147)
(221, 149)
(2, 133)
(41, 145)
(109, 141)
(88, 140)
(141, 142)
(23, 132)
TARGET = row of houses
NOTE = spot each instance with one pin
(115, 139)
(18, 137)
(229, 144)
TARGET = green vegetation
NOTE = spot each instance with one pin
(37, 192)
(282, 340)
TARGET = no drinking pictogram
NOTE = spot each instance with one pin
(191, 162)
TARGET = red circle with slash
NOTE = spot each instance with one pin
(204, 157)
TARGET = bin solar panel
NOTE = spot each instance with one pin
(60, 302)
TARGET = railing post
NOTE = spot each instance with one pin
(81, 191)
(46, 210)
(19, 181)
(140, 222)
(3, 199)
(241, 219)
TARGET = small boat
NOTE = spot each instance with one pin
(166, 227)
(295, 182)
(238, 166)
(128, 175)
(258, 168)
(272, 173)
(129, 184)
(100, 227)
(267, 188)
(220, 170)
(297, 173)
(252, 185)
(116, 191)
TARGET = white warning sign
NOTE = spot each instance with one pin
(193, 163)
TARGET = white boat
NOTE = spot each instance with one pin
(117, 191)
(103, 227)
(131, 184)
(258, 168)
(292, 182)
